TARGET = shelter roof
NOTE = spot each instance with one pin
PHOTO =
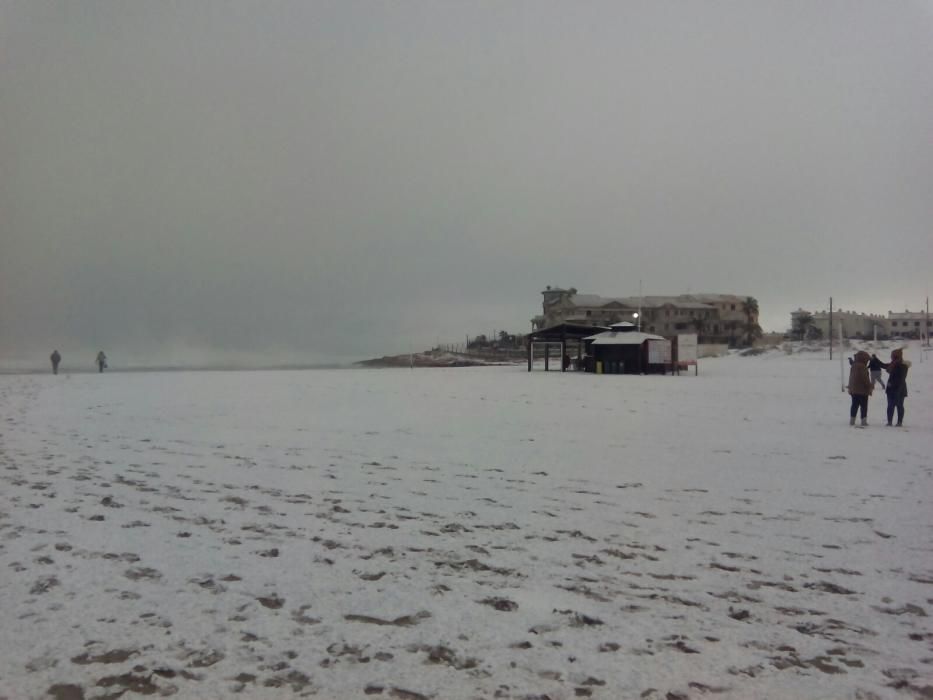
(566, 331)
(624, 338)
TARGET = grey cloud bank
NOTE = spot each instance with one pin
(302, 181)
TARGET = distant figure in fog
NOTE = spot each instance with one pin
(101, 361)
(566, 362)
(56, 358)
(874, 369)
(897, 385)
(860, 387)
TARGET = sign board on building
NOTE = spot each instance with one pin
(659, 352)
(687, 348)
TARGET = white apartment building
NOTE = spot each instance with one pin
(855, 324)
(909, 324)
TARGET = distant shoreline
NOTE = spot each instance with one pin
(418, 359)
(433, 358)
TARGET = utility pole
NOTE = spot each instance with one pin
(927, 320)
(640, 299)
(842, 366)
(831, 330)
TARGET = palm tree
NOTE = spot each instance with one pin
(752, 333)
(752, 329)
(803, 325)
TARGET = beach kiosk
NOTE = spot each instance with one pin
(625, 350)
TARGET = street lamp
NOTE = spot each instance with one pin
(637, 318)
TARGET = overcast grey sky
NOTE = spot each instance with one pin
(297, 180)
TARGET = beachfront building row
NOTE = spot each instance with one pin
(906, 324)
(716, 318)
(909, 324)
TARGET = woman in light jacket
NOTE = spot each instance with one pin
(860, 386)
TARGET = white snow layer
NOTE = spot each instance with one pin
(465, 533)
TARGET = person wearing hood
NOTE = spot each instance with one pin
(874, 369)
(101, 361)
(56, 358)
(897, 385)
(860, 387)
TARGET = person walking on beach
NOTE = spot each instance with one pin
(860, 387)
(874, 369)
(897, 385)
(101, 361)
(56, 358)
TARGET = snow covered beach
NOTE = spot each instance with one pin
(465, 533)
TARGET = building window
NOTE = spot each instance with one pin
(733, 307)
(589, 313)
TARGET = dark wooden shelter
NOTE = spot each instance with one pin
(622, 350)
(559, 336)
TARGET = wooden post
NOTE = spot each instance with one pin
(563, 353)
(531, 352)
(842, 367)
(547, 355)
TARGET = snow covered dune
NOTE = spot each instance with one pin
(465, 533)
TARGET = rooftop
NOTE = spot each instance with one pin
(622, 338)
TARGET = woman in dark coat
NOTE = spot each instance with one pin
(897, 385)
